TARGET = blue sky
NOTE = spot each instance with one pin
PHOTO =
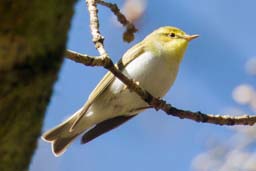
(212, 67)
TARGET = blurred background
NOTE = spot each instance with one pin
(217, 76)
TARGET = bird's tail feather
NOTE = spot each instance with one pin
(60, 137)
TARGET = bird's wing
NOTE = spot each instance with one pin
(104, 127)
(129, 56)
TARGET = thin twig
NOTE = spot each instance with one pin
(106, 62)
(158, 103)
(86, 59)
(130, 28)
(97, 39)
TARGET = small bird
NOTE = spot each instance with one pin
(153, 63)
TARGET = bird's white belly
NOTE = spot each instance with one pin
(152, 73)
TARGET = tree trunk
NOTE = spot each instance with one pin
(32, 40)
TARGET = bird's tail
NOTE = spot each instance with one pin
(61, 136)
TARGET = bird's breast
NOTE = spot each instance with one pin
(155, 74)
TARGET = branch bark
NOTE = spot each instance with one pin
(159, 104)
(128, 35)
(156, 103)
(97, 38)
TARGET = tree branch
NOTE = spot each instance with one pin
(97, 39)
(86, 59)
(106, 62)
(128, 35)
(158, 103)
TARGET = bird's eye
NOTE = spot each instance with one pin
(172, 35)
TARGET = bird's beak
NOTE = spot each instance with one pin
(191, 37)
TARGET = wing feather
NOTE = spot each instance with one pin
(129, 56)
(104, 127)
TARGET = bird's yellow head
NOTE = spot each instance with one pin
(169, 41)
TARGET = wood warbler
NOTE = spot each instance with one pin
(153, 63)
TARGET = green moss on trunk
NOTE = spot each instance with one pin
(32, 40)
